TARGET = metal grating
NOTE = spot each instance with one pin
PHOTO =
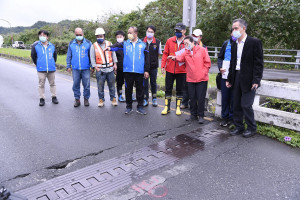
(104, 177)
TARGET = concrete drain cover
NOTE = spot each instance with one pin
(96, 180)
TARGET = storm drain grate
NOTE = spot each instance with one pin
(104, 177)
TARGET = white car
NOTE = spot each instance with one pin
(18, 44)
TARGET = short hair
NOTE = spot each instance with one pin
(43, 31)
(120, 33)
(134, 29)
(151, 27)
(242, 22)
(190, 38)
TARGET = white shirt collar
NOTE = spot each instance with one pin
(243, 40)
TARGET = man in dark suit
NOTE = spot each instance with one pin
(245, 74)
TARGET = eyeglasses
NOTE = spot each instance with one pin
(78, 34)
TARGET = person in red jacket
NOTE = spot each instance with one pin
(197, 64)
(174, 70)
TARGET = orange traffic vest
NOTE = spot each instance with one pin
(99, 53)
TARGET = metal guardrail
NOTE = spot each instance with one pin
(214, 54)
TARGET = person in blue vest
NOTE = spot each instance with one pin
(135, 68)
(43, 55)
(224, 58)
(78, 60)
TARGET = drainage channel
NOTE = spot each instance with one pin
(96, 180)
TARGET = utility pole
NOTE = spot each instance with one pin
(189, 14)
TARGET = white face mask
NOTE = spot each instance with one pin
(195, 39)
(120, 40)
(236, 34)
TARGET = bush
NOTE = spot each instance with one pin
(61, 46)
(284, 105)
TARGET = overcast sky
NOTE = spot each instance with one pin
(27, 12)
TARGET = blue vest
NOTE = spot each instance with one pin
(134, 56)
(79, 54)
(45, 59)
(227, 55)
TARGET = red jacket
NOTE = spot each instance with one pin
(170, 48)
(197, 65)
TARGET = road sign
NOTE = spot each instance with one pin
(189, 13)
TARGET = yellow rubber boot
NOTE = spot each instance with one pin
(166, 110)
(178, 102)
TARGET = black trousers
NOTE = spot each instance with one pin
(120, 81)
(180, 81)
(242, 106)
(185, 91)
(197, 93)
(152, 77)
(130, 80)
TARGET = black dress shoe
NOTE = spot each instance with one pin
(236, 132)
(248, 133)
(54, 100)
(42, 102)
(201, 120)
(191, 118)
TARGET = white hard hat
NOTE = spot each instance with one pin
(197, 32)
(99, 31)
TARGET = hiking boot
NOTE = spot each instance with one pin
(86, 102)
(42, 102)
(54, 100)
(145, 103)
(133, 98)
(77, 103)
(101, 103)
(128, 110)
(114, 102)
(121, 98)
(154, 102)
(141, 111)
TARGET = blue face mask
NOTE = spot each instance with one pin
(42, 38)
(79, 38)
(178, 34)
(100, 40)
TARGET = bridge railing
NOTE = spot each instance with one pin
(268, 115)
(274, 56)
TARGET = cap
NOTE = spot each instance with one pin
(180, 26)
(197, 32)
(99, 31)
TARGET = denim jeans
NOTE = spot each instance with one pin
(83, 75)
(110, 78)
(152, 77)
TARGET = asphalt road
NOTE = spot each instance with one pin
(40, 143)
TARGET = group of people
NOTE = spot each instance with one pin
(135, 61)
